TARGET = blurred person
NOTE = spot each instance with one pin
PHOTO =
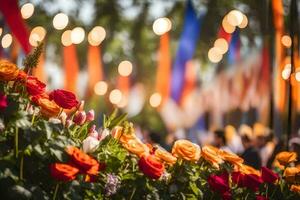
(220, 140)
(250, 155)
(294, 145)
(233, 140)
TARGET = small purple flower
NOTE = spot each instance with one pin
(112, 184)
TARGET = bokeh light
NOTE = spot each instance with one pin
(155, 100)
(228, 28)
(37, 35)
(222, 45)
(214, 55)
(66, 38)
(60, 21)
(96, 35)
(6, 40)
(244, 22)
(286, 41)
(77, 35)
(235, 17)
(123, 103)
(125, 68)
(27, 10)
(100, 88)
(161, 26)
(1, 31)
(297, 75)
(115, 96)
(286, 72)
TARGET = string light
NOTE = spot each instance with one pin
(155, 100)
(100, 88)
(96, 35)
(125, 68)
(37, 35)
(66, 38)
(244, 22)
(228, 28)
(286, 41)
(115, 96)
(60, 21)
(214, 55)
(222, 45)
(235, 17)
(286, 72)
(27, 10)
(6, 40)
(161, 26)
(77, 35)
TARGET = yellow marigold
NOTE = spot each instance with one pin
(186, 150)
(136, 147)
(48, 108)
(295, 188)
(165, 156)
(8, 70)
(290, 174)
(285, 157)
(210, 154)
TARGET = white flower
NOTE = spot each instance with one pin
(103, 134)
(90, 144)
(54, 120)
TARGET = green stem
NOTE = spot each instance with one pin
(247, 196)
(132, 194)
(17, 142)
(32, 119)
(267, 191)
(21, 167)
(55, 191)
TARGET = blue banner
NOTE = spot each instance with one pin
(234, 48)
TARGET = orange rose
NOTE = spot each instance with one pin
(290, 174)
(246, 169)
(295, 188)
(210, 154)
(165, 156)
(136, 147)
(119, 134)
(8, 70)
(286, 157)
(186, 150)
(231, 157)
(48, 108)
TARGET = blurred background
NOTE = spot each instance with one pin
(211, 71)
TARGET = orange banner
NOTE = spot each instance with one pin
(95, 68)
(71, 68)
(163, 76)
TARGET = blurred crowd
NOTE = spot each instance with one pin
(257, 145)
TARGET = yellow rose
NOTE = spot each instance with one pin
(136, 147)
(290, 174)
(231, 157)
(246, 169)
(295, 188)
(48, 108)
(285, 157)
(8, 70)
(165, 156)
(119, 134)
(186, 150)
(210, 154)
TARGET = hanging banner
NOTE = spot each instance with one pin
(186, 49)
(71, 68)
(95, 68)
(14, 20)
(163, 76)
(234, 48)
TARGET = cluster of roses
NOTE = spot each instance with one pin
(80, 163)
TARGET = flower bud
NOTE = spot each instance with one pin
(90, 144)
(63, 117)
(103, 134)
(68, 123)
(90, 116)
(93, 132)
(79, 118)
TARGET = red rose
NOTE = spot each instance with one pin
(63, 98)
(268, 176)
(34, 86)
(82, 160)
(219, 183)
(226, 196)
(21, 76)
(238, 178)
(252, 181)
(151, 167)
(259, 197)
(63, 172)
(3, 101)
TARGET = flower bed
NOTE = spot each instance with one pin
(50, 149)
